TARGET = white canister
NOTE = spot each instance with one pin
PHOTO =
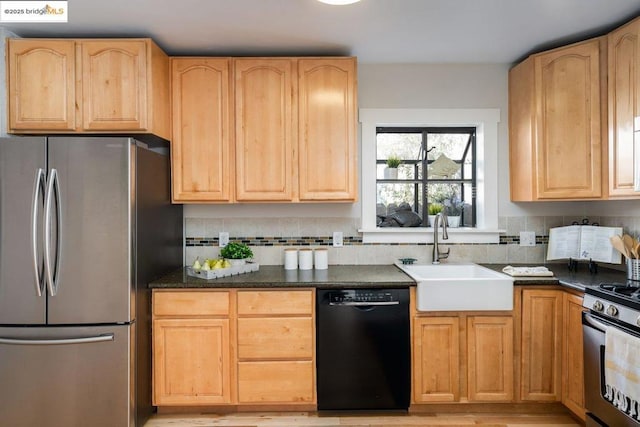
(291, 259)
(305, 259)
(321, 258)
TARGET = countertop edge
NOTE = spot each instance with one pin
(368, 276)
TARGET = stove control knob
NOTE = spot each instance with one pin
(598, 306)
(638, 321)
(612, 310)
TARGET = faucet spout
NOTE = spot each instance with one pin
(437, 253)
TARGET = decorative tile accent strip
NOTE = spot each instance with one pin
(328, 241)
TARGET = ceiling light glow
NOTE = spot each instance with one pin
(339, 2)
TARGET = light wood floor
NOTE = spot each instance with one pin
(312, 419)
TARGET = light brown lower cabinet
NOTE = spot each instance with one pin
(541, 366)
(462, 357)
(234, 347)
(436, 359)
(490, 358)
(192, 361)
(276, 382)
(256, 347)
(572, 356)
(276, 347)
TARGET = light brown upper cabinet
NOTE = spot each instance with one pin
(327, 129)
(88, 85)
(555, 134)
(624, 108)
(201, 147)
(41, 85)
(265, 129)
(295, 129)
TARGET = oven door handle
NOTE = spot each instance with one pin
(594, 323)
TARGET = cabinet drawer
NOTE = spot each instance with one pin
(276, 382)
(275, 338)
(275, 302)
(191, 303)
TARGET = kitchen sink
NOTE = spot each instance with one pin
(460, 287)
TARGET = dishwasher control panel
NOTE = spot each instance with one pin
(362, 296)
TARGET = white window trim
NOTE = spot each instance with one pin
(486, 123)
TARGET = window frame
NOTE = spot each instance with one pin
(486, 123)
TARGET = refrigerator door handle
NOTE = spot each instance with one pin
(53, 190)
(64, 341)
(38, 189)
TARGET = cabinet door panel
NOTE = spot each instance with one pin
(42, 85)
(327, 129)
(436, 372)
(573, 361)
(202, 129)
(624, 107)
(541, 345)
(114, 81)
(568, 122)
(265, 145)
(275, 302)
(490, 352)
(276, 382)
(191, 303)
(191, 361)
(275, 338)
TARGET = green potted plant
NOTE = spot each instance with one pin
(433, 209)
(236, 253)
(391, 171)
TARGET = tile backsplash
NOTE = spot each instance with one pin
(268, 237)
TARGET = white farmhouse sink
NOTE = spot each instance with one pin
(459, 287)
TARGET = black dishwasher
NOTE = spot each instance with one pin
(363, 349)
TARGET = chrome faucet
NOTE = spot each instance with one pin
(437, 254)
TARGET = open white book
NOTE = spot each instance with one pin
(583, 242)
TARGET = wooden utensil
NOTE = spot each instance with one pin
(635, 251)
(618, 244)
(629, 243)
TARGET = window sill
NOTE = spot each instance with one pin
(425, 235)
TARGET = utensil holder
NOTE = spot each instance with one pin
(633, 269)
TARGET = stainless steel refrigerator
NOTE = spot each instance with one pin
(85, 224)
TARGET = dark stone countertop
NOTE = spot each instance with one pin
(563, 277)
(275, 276)
(371, 276)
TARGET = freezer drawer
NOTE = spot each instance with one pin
(66, 376)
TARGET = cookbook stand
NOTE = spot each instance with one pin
(572, 264)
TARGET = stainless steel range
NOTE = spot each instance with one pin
(613, 314)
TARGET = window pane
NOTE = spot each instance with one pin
(392, 196)
(449, 163)
(450, 144)
(445, 155)
(404, 145)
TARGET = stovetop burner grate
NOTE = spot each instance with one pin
(628, 290)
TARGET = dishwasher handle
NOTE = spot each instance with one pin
(364, 303)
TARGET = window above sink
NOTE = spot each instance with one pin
(484, 121)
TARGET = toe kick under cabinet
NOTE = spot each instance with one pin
(240, 347)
